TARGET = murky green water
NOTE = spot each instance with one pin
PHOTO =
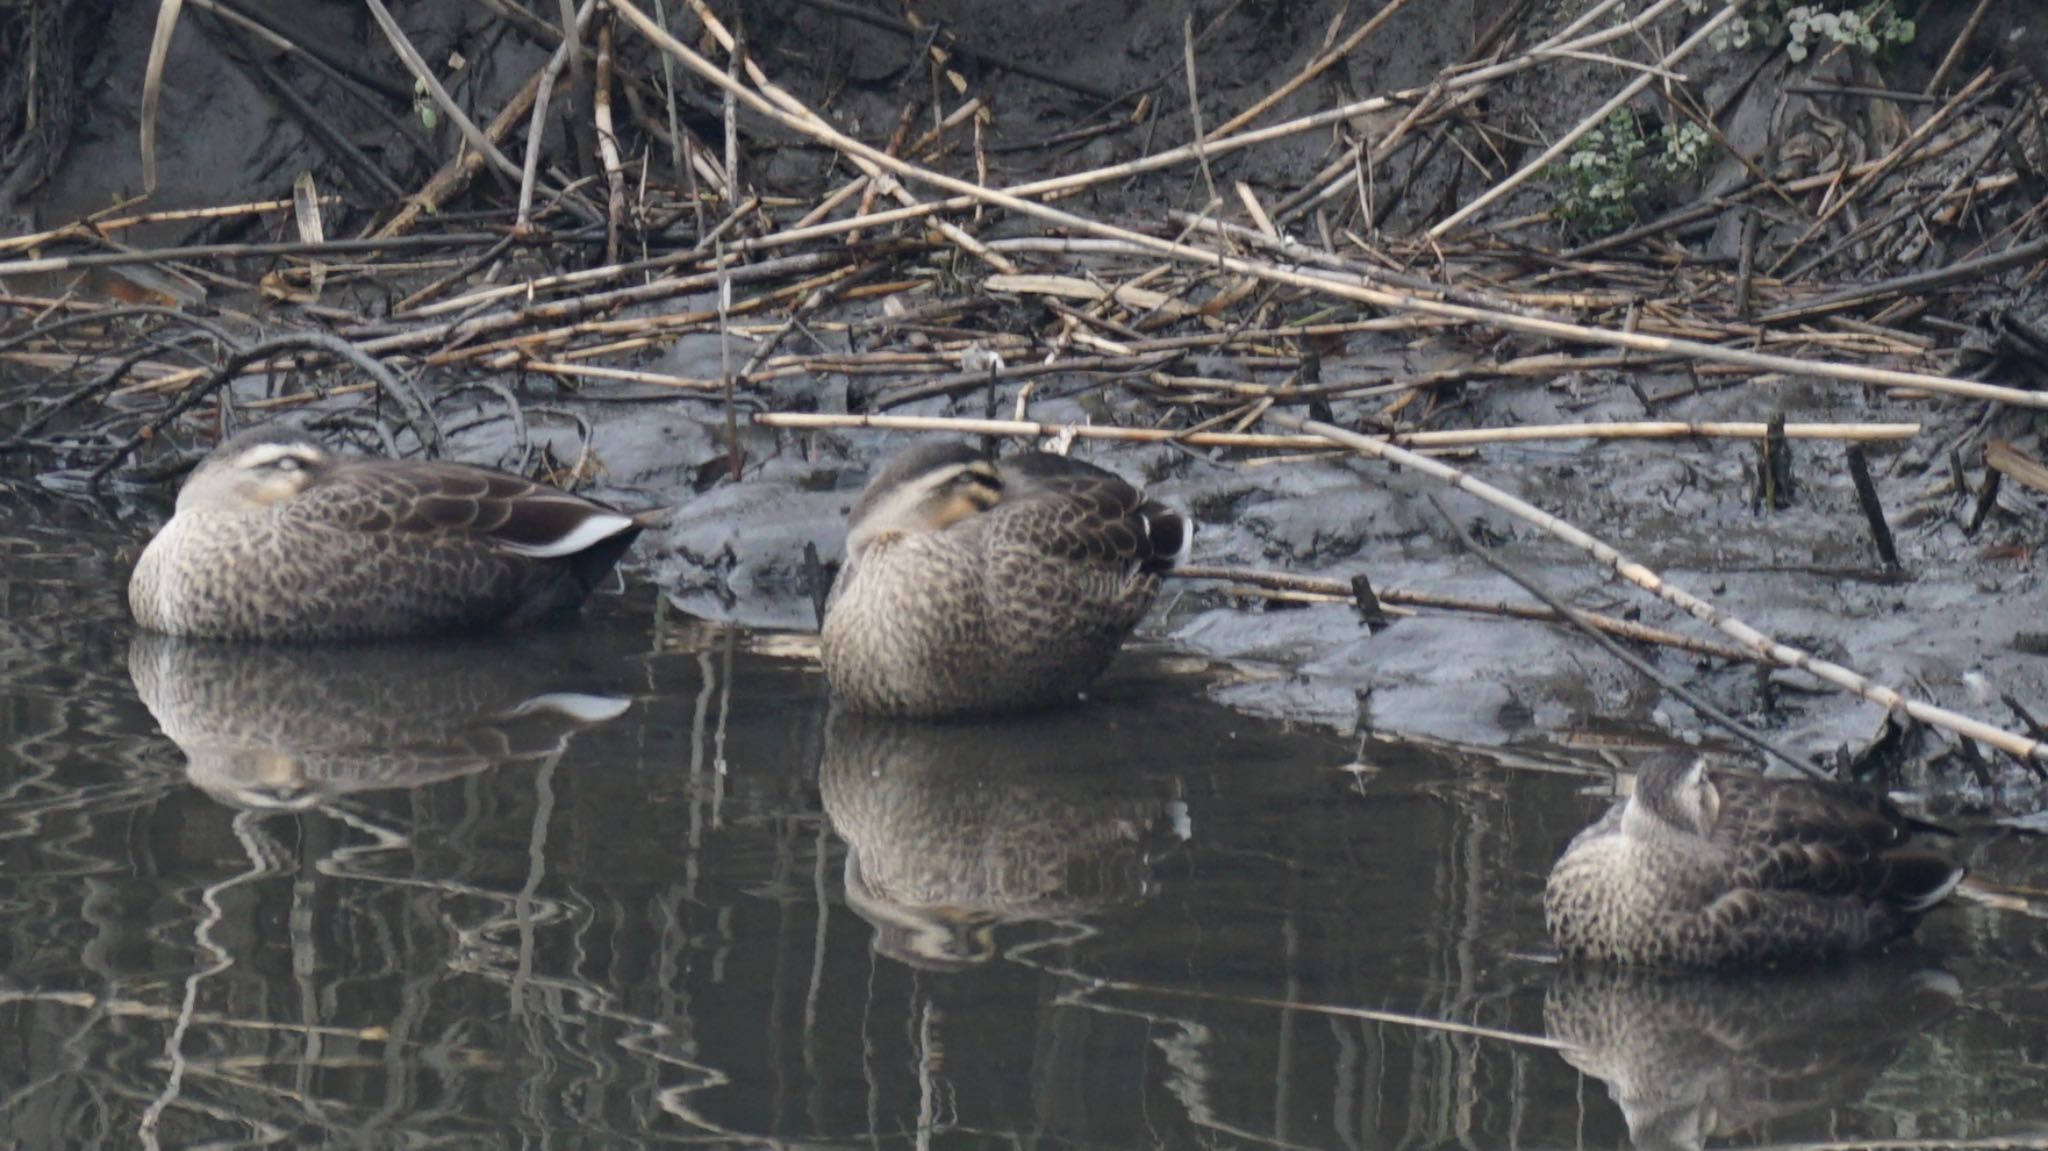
(627, 884)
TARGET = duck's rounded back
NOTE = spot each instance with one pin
(972, 586)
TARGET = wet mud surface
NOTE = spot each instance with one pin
(1953, 623)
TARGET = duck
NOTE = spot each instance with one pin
(1713, 867)
(977, 586)
(276, 538)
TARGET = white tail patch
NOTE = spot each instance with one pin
(1935, 981)
(591, 531)
(1187, 538)
(1934, 897)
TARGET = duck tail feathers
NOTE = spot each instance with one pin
(587, 531)
(1171, 534)
(1919, 880)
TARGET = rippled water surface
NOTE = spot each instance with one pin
(627, 883)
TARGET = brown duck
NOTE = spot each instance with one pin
(973, 586)
(277, 538)
(1716, 867)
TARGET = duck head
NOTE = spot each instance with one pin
(926, 489)
(1674, 795)
(260, 467)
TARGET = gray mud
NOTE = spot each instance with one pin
(1807, 574)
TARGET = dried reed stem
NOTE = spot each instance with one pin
(1671, 429)
(1340, 591)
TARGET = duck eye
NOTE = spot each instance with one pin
(287, 464)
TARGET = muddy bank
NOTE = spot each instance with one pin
(1956, 623)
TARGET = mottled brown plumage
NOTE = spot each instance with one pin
(276, 538)
(972, 587)
(1714, 867)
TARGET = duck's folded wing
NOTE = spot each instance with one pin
(1075, 510)
(1763, 926)
(1833, 840)
(1757, 808)
(519, 516)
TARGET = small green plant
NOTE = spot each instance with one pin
(1600, 181)
(1607, 174)
(1868, 29)
(1684, 147)
(1869, 25)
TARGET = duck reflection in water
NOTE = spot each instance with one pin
(289, 728)
(1693, 1056)
(952, 829)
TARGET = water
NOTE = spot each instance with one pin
(627, 884)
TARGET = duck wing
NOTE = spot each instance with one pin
(1827, 839)
(515, 515)
(1077, 511)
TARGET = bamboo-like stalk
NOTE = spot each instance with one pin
(607, 142)
(543, 83)
(1053, 186)
(238, 251)
(1668, 429)
(422, 72)
(423, 339)
(622, 375)
(1339, 591)
(1764, 646)
(1322, 62)
(872, 162)
(101, 228)
(167, 13)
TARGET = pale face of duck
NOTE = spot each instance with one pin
(924, 491)
(253, 471)
(1673, 797)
